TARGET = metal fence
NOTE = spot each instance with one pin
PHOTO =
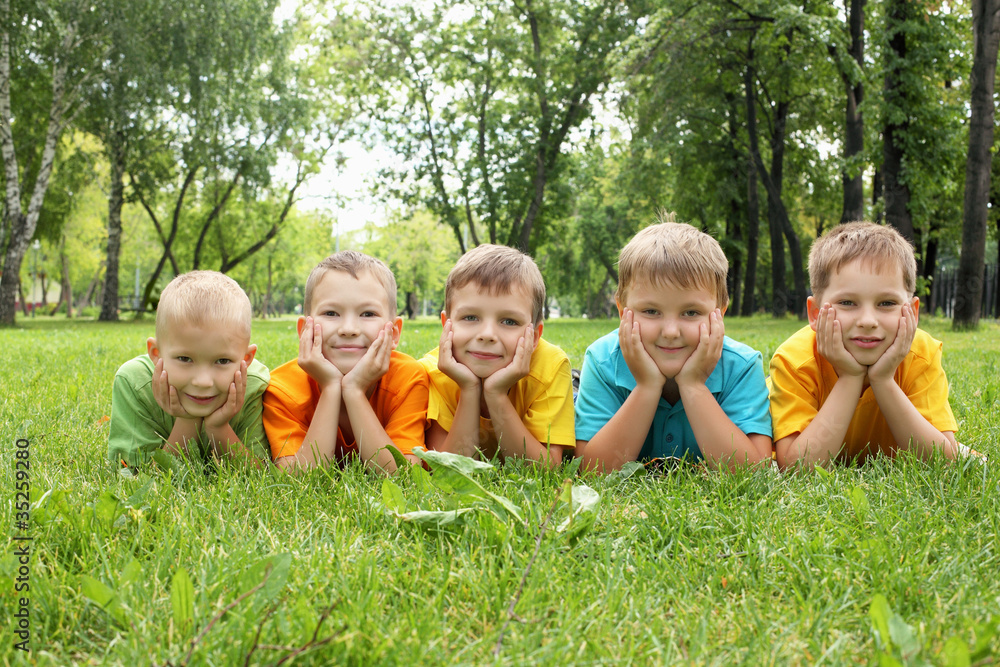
(944, 292)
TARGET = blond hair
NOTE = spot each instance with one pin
(675, 253)
(354, 263)
(204, 299)
(498, 269)
(875, 245)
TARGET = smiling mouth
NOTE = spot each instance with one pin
(867, 343)
(201, 400)
(350, 348)
(669, 350)
(484, 356)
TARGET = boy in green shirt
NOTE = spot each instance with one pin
(198, 390)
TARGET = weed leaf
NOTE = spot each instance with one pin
(860, 502)
(278, 565)
(435, 520)
(397, 456)
(956, 653)
(182, 598)
(880, 612)
(103, 596)
(392, 496)
(583, 511)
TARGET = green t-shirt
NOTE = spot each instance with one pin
(139, 426)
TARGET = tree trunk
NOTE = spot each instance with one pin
(877, 193)
(20, 294)
(109, 297)
(67, 286)
(22, 225)
(734, 228)
(854, 128)
(896, 193)
(986, 39)
(753, 202)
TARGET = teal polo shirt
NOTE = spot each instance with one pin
(737, 384)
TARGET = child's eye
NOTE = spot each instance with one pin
(692, 313)
(509, 322)
(469, 318)
(183, 359)
(651, 312)
(888, 303)
(223, 362)
(329, 313)
(369, 313)
(845, 302)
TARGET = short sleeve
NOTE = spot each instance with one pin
(794, 397)
(406, 423)
(926, 385)
(598, 399)
(549, 417)
(134, 432)
(284, 423)
(249, 425)
(746, 401)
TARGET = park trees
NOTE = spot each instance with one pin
(481, 100)
(48, 52)
(986, 40)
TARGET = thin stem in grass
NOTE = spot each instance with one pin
(524, 577)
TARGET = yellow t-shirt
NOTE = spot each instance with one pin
(801, 381)
(543, 398)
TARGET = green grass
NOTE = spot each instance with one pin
(691, 567)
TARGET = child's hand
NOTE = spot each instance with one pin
(234, 403)
(502, 380)
(640, 364)
(166, 395)
(702, 361)
(830, 344)
(885, 368)
(312, 360)
(374, 364)
(452, 367)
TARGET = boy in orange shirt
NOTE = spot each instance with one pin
(861, 379)
(349, 393)
(495, 385)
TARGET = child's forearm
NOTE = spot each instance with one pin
(184, 432)
(823, 439)
(622, 438)
(320, 442)
(721, 442)
(463, 437)
(513, 436)
(368, 432)
(910, 429)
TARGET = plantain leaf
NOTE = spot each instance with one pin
(182, 598)
(393, 497)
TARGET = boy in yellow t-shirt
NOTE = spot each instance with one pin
(495, 385)
(861, 378)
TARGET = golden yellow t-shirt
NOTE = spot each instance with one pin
(801, 380)
(543, 399)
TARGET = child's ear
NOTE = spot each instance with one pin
(397, 329)
(301, 324)
(152, 350)
(251, 353)
(538, 332)
(444, 317)
(619, 306)
(723, 309)
(915, 304)
(812, 310)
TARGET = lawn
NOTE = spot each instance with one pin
(892, 561)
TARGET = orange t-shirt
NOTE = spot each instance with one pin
(399, 401)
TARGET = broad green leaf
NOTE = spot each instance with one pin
(585, 502)
(278, 565)
(566, 495)
(429, 520)
(421, 480)
(630, 469)
(463, 464)
(182, 598)
(168, 462)
(106, 509)
(860, 502)
(903, 637)
(103, 596)
(823, 472)
(880, 613)
(393, 497)
(131, 573)
(397, 456)
(956, 653)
